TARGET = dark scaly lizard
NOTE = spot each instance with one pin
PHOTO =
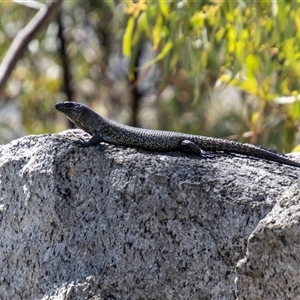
(105, 130)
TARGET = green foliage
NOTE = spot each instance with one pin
(253, 40)
(251, 45)
(36, 83)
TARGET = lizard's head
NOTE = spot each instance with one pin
(79, 114)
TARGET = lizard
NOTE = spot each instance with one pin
(104, 130)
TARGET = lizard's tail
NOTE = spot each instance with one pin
(260, 152)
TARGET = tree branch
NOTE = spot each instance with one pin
(67, 76)
(24, 36)
(30, 3)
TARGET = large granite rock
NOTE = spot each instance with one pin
(271, 268)
(109, 222)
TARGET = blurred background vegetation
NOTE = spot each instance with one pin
(227, 69)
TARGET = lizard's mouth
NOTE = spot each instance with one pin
(72, 110)
(77, 113)
(64, 106)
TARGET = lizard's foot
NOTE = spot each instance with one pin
(83, 143)
(94, 140)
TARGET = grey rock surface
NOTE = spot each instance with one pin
(271, 268)
(109, 222)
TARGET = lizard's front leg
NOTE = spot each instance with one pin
(94, 140)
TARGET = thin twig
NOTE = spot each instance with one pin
(24, 36)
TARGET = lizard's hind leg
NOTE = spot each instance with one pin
(190, 147)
